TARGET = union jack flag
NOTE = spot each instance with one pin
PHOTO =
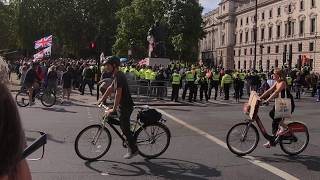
(43, 53)
(43, 42)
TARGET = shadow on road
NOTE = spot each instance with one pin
(114, 168)
(165, 168)
(310, 162)
(63, 110)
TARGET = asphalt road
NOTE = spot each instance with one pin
(196, 151)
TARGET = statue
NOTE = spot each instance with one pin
(156, 37)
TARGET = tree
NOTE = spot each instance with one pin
(182, 18)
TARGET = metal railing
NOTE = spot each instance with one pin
(145, 89)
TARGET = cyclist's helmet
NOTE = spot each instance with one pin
(113, 60)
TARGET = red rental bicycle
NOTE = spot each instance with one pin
(243, 138)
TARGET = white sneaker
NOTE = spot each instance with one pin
(130, 155)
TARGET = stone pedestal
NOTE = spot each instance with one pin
(158, 61)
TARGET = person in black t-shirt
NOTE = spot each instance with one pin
(31, 82)
(123, 102)
(67, 82)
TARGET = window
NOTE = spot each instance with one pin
(277, 49)
(290, 8)
(241, 22)
(247, 20)
(222, 39)
(245, 65)
(279, 11)
(238, 64)
(301, 27)
(262, 15)
(250, 51)
(245, 51)
(313, 3)
(269, 49)
(234, 52)
(276, 63)
(270, 33)
(301, 5)
(247, 37)
(240, 38)
(262, 34)
(278, 31)
(270, 14)
(239, 52)
(300, 47)
(313, 25)
(261, 50)
(311, 46)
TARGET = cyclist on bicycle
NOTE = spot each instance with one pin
(279, 88)
(31, 81)
(123, 102)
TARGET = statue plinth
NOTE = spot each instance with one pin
(158, 61)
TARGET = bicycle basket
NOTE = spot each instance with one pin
(149, 116)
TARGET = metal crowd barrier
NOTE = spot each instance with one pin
(144, 89)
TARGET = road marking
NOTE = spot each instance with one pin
(253, 160)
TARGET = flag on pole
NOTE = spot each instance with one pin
(43, 42)
(43, 53)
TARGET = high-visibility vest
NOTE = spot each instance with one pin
(289, 81)
(189, 76)
(142, 74)
(147, 74)
(153, 76)
(242, 76)
(216, 77)
(176, 78)
(226, 79)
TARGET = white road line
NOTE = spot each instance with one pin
(253, 160)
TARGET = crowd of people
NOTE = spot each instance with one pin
(199, 81)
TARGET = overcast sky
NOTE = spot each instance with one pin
(209, 4)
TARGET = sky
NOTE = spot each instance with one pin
(209, 4)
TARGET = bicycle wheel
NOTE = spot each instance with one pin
(22, 99)
(48, 99)
(152, 140)
(242, 139)
(296, 141)
(92, 142)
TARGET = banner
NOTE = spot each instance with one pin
(43, 42)
(43, 53)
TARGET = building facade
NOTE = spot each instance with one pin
(288, 32)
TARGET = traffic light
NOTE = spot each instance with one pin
(93, 45)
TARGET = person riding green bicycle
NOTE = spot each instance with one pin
(122, 102)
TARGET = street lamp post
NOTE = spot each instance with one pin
(255, 35)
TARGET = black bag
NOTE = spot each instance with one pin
(149, 116)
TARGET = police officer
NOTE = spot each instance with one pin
(225, 84)
(203, 81)
(289, 81)
(189, 77)
(176, 82)
(214, 84)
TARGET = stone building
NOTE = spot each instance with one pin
(288, 32)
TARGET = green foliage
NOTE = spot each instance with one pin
(182, 19)
(116, 25)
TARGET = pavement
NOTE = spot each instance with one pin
(197, 150)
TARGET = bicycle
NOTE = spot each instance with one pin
(94, 141)
(243, 138)
(47, 97)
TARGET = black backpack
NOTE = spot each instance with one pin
(149, 116)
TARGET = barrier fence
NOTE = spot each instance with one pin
(144, 89)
